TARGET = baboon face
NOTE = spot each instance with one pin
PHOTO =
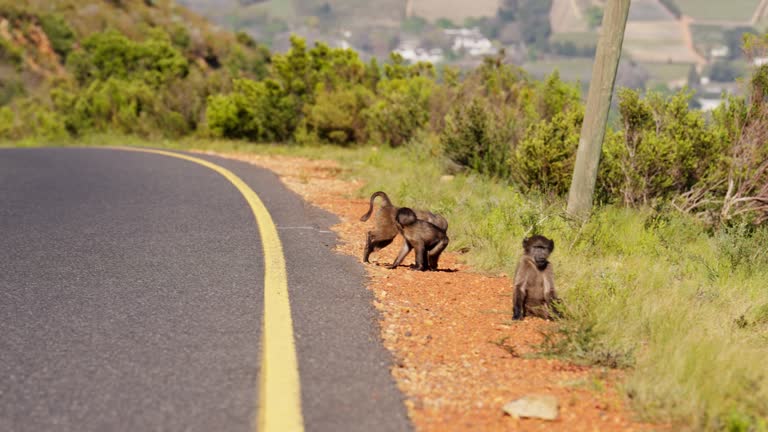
(405, 216)
(539, 247)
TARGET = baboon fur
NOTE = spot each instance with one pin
(427, 240)
(535, 292)
(385, 229)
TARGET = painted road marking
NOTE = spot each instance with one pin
(279, 388)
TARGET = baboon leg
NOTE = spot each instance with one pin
(368, 247)
(373, 244)
(380, 244)
(435, 252)
(401, 256)
(518, 312)
(422, 257)
(425, 260)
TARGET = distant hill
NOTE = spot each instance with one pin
(37, 35)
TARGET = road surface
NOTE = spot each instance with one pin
(132, 296)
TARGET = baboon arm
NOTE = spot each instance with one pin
(518, 312)
(401, 256)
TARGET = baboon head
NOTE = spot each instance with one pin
(405, 216)
(539, 247)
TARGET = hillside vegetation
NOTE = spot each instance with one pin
(67, 67)
(667, 279)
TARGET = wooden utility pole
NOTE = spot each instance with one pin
(598, 104)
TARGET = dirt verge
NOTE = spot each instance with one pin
(458, 357)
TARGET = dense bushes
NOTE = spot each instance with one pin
(328, 95)
(112, 55)
(662, 151)
(156, 85)
(257, 110)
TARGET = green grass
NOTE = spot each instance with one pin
(718, 10)
(685, 311)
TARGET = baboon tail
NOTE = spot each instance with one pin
(383, 196)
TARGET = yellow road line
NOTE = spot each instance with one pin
(280, 395)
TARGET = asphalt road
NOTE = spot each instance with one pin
(131, 296)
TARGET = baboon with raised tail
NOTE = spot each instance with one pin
(385, 229)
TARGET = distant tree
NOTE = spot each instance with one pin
(445, 23)
(722, 71)
(413, 24)
(508, 10)
(733, 39)
(594, 16)
(534, 21)
(694, 80)
(672, 8)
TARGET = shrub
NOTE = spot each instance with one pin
(112, 55)
(662, 151)
(6, 122)
(545, 158)
(401, 110)
(337, 116)
(59, 33)
(11, 54)
(498, 110)
(476, 137)
(9, 89)
(256, 110)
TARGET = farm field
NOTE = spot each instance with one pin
(578, 39)
(665, 72)
(455, 10)
(718, 10)
(649, 10)
(570, 69)
(657, 42)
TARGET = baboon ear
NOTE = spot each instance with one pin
(551, 245)
(526, 242)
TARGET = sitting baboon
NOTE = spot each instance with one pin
(427, 239)
(534, 280)
(385, 230)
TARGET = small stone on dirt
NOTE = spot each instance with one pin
(533, 406)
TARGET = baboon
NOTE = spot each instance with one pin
(427, 239)
(534, 280)
(385, 230)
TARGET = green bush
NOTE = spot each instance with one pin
(662, 151)
(506, 126)
(6, 122)
(112, 55)
(26, 117)
(9, 89)
(336, 116)
(544, 159)
(476, 137)
(59, 33)
(11, 54)
(401, 109)
(256, 110)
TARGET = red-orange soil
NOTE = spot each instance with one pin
(440, 328)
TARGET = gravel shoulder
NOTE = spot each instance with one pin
(458, 357)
